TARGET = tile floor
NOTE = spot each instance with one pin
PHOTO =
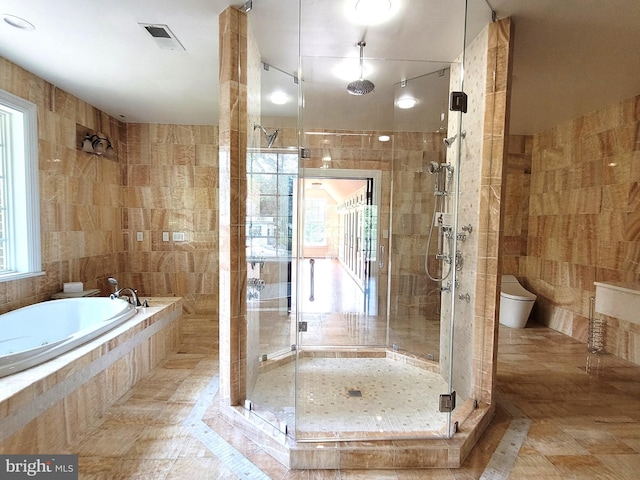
(582, 413)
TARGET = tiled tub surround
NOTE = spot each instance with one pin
(44, 408)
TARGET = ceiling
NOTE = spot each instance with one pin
(570, 57)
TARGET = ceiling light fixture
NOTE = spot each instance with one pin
(384, 138)
(99, 144)
(17, 22)
(406, 102)
(279, 98)
(370, 12)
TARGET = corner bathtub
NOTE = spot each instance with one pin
(32, 335)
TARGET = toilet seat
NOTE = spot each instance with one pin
(515, 291)
(511, 288)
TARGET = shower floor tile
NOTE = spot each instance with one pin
(350, 397)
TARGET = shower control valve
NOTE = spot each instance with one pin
(466, 297)
(467, 228)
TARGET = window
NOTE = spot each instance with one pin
(270, 181)
(19, 193)
(315, 219)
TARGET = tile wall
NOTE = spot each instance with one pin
(82, 195)
(164, 179)
(171, 183)
(583, 219)
(516, 204)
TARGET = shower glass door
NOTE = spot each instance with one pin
(270, 233)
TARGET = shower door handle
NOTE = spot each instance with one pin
(312, 262)
(381, 262)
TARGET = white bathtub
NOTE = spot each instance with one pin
(32, 335)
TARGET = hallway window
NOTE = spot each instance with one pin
(314, 222)
(19, 194)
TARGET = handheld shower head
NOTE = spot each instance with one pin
(434, 167)
(448, 142)
(271, 138)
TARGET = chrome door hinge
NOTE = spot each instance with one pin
(447, 402)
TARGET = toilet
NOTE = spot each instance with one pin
(516, 302)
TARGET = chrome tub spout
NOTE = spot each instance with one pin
(132, 296)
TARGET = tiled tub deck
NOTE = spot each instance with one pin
(44, 408)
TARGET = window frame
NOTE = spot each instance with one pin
(24, 257)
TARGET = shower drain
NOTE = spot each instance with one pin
(354, 393)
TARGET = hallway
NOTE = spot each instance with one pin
(583, 415)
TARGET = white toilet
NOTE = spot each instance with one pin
(516, 302)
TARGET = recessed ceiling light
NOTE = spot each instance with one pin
(384, 138)
(279, 98)
(406, 102)
(17, 22)
(370, 12)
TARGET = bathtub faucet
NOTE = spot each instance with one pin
(132, 298)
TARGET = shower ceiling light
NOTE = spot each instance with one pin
(406, 102)
(370, 12)
(384, 138)
(349, 69)
(279, 98)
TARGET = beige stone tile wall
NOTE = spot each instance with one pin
(487, 81)
(82, 196)
(232, 206)
(164, 179)
(583, 217)
(171, 185)
(516, 202)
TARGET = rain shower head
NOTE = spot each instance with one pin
(271, 137)
(361, 86)
(450, 141)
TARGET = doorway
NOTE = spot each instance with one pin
(339, 270)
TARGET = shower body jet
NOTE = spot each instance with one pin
(448, 142)
(270, 137)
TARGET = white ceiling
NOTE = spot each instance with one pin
(570, 57)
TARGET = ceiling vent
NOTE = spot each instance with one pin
(163, 36)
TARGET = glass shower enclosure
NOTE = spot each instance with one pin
(351, 228)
